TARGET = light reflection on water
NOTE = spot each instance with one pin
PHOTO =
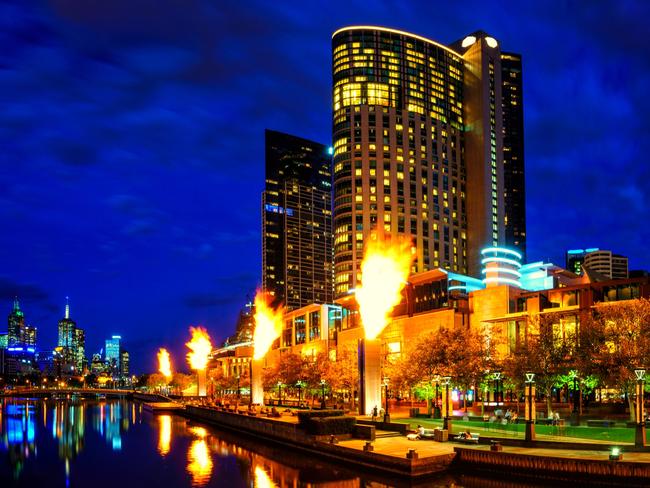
(74, 442)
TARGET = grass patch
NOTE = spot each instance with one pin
(613, 434)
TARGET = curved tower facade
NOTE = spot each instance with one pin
(417, 135)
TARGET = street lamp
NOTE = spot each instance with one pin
(386, 414)
(279, 393)
(299, 385)
(530, 411)
(497, 376)
(238, 390)
(436, 408)
(574, 375)
(639, 438)
(322, 394)
(446, 424)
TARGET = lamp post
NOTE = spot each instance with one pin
(530, 410)
(446, 423)
(497, 376)
(436, 408)
(639, 438)
(322, 394)
(299, 386)
(386, 414)
(574, 376)
(279, 393)
(238, 390)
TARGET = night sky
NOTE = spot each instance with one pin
(132, 132)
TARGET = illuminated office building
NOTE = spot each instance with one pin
(605, 264)
(112, 352)
(71, 344)
(418, 134)
(514, 184)
(16, 328)
(297, 221)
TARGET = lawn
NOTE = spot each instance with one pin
(568, 433)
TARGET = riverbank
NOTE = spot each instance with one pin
(394, 455)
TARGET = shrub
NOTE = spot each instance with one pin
(331, 425)
(303, 417)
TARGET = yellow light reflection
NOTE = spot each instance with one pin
(262, 479)
(198, 431)
(199, 463)
(164, 434)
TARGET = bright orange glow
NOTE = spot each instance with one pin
(384, 270)
(164, 363)
(199, 463)
(199, 432)
(200, 347)
(262, 479)
(165, 434)
(268, 326)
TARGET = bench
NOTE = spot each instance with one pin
(465, 440)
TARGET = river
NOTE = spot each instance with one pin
(74, 442)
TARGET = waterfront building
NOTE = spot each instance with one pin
(18, 333)
(297, 221)
(245, 325)
(418, 134)
(97, 364)
(49, 362)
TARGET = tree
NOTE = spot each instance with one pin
(545, 351)
(343, 374)
(156, 380)
(625, 328)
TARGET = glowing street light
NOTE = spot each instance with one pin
(530, 407)
(446, 423)
(639, 438)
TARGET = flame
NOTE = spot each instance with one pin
(268, 326)
(165, 434)
(384, 270)
(164, 363)
(200, 347)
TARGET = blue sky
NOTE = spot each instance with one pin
(132, 131)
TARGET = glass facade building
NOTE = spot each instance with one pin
(297, 221)
(418, 148)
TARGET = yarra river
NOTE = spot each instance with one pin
(102, 443)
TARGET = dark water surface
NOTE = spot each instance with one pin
(100, 443)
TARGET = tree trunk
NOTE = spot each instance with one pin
(429, 407)
(465, 401)
(549, 401)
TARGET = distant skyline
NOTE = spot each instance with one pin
(133, 145)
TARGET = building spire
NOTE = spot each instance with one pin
(16, 305)
(67, 307)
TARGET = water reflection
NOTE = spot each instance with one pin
(164, 434)
(262, 479)
(18, 428)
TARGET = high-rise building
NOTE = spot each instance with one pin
(124, 363)
(71, 341)
(605, 263)
(296, 221)
(112, 354)
(16, 326)
(4, 341)
(514, 183)
(418, 131)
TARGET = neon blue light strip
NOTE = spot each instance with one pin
(502, 270)
(501, 260)
(502, 280)
(501, 250)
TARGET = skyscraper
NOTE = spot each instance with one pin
(296, 221)
(418, 132)
(15, 325)
(71, 342)
(513, 152)
(112, 352)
